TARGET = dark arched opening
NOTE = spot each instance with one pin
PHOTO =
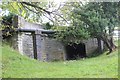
(75, 51)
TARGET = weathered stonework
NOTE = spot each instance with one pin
(40, 46)
(27, 44)
(47, 49)
(54, 50)
(90, 45)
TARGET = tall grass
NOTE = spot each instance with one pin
(18, 66)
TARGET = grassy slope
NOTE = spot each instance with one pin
(18, 66)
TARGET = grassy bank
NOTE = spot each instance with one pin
(18, 66)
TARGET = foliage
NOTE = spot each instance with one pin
(75, 32)
(48, 25)
(36, 11)
(94, 19)
(6, 27)
(72, 35)
(14, 7)
(7, 19)
(98, 17)
(22, 10)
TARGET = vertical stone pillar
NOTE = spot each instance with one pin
(38, 45)
(100, 45)
(34, 46)
(20, 42)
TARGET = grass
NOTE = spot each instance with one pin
(18, 66)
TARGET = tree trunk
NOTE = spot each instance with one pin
(109, 47)
(109, 43)
(112, 43)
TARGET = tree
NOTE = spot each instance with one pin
(75, 32)
(71, 35)
(99, 17)
(36, 11)
(6, 27)
(25, 11)
(95, 19)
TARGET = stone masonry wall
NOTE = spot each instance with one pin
(41, 55)
(47, 49)
(23, 24)
(27, 44)
(54, 50)
(25, 39)
(90, 45)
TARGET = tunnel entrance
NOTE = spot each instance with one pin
(75, 51)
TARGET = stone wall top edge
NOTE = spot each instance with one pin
(21, 18)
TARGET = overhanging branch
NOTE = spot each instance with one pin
(26, 3)
(37, 8)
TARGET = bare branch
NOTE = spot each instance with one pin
(29, 9)
(61, 17)
(36, 12)
(36, 7)
(81, 3)
(48, 18)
